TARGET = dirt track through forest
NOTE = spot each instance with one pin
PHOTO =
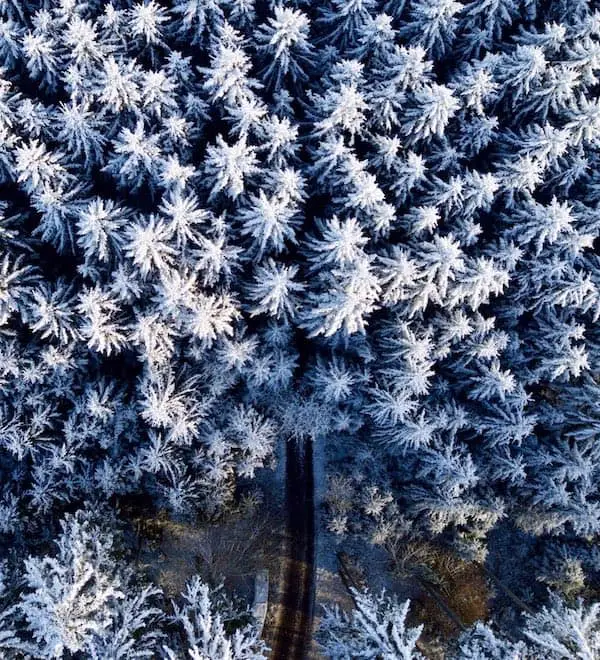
(293, 628)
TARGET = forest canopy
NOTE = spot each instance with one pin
(230, 224)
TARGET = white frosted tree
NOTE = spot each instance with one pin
(81, 131)
(481, 641)
(340, 243)
(202, 618)
(68, 599)
(135, 630)
(100, 228)
(230, 166)
(561, 631)
(435, 105)
(270, 220)
(135, 157)
(284, 42)
(275, 290)
(342, 108)
(53, 312)
(432, 24)
(38, 167)
(376, 628)
(348, 298)
(118, 84)
(149, 245)
(101, 325)
(81, 600)
(211, 317)
(227, 77)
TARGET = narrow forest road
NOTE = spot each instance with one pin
(292, 632)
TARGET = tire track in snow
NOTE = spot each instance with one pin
(293, 628)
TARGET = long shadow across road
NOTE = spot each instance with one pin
(293, 632)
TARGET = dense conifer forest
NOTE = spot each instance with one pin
(314, 284)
